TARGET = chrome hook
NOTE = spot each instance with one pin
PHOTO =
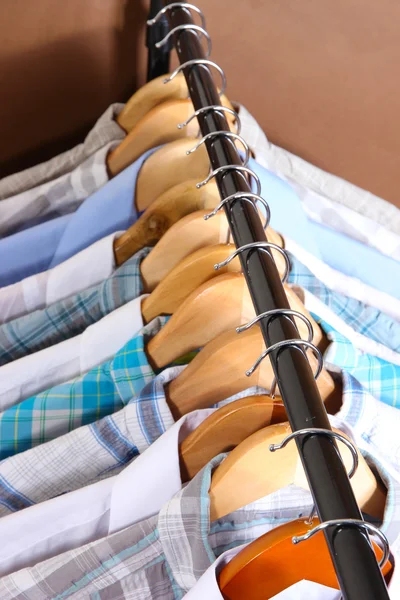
(184, 5)
(228, 134)
(217, 108)
(272, 314)
(253, 246)
(350, 523)
(287, 343)
(242, 196)
(186, 27)
(239, 168)
(326, 432)
(199, 61)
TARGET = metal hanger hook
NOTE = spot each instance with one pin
(199, 61)
(185, 5)
(265, 246)
(371, 529)
(285, 344)
(217, 108)
(228, 134)
(186, 27)
(248, 197)
(327, 433)
(273, 314)
(225, 168)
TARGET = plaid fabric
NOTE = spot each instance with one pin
(364, 319)
(58, 197)
(165, 555)
(379, 377)
(104, 131)
(66, 318)
(100, 392)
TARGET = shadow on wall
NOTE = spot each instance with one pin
(51, 96)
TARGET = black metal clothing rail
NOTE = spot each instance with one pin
(354, 560)
(157, 59)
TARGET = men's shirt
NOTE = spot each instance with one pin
(364, 319)
(110, 209)
(105, 130)
(71, 316)
(57, 364)
(55, 198)
(102, 391)
(166, 554)
(329, 199)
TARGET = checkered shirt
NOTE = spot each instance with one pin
(67, 318)
(105, 130)
(100, 392)
(362, 318)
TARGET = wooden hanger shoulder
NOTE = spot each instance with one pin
(150, 95)
(225, 429)
(168, 209)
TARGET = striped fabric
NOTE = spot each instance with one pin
(65, 407)
(67, 318)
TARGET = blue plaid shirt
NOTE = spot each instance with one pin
(364, 319)
(67, 318)
(100, 392)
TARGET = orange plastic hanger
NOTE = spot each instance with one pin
(152, 94)
(174, 204)
(225, 429)
(217, 306)
(188, 275)
(159, 126)
(272, 563)
(218, 372)
(251, 471)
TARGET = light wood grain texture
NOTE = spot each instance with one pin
(172, 205)
(218, 372)
(272, 563)
(251, 471)
(217, 306)
(149, 96)
(185, 237)
(157, 127)
(225, 429)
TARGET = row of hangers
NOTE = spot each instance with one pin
(208, 305)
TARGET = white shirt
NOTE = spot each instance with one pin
(328, 199)
(89, 267)
(71, 358)
(140, 490)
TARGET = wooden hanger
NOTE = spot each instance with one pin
(272, 563)
(152, 94)
(224, 429)
(174, 204)
(157, 127)
(218, 372)
(251, 472)
(218, 305)
(184, 238)
(188, 275)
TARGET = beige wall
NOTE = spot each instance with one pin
(321, 76)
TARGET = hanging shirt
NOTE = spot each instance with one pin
(71, 316)
(105, 130)
(71, 520)
(168, 553)
(57, 364)
(102, 391)
(44, 246)
(57, 197)
(328, 199)
(89, 267)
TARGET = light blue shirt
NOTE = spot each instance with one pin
(335, 249)
(111, 208)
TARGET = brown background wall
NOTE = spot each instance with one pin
(320, 76)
